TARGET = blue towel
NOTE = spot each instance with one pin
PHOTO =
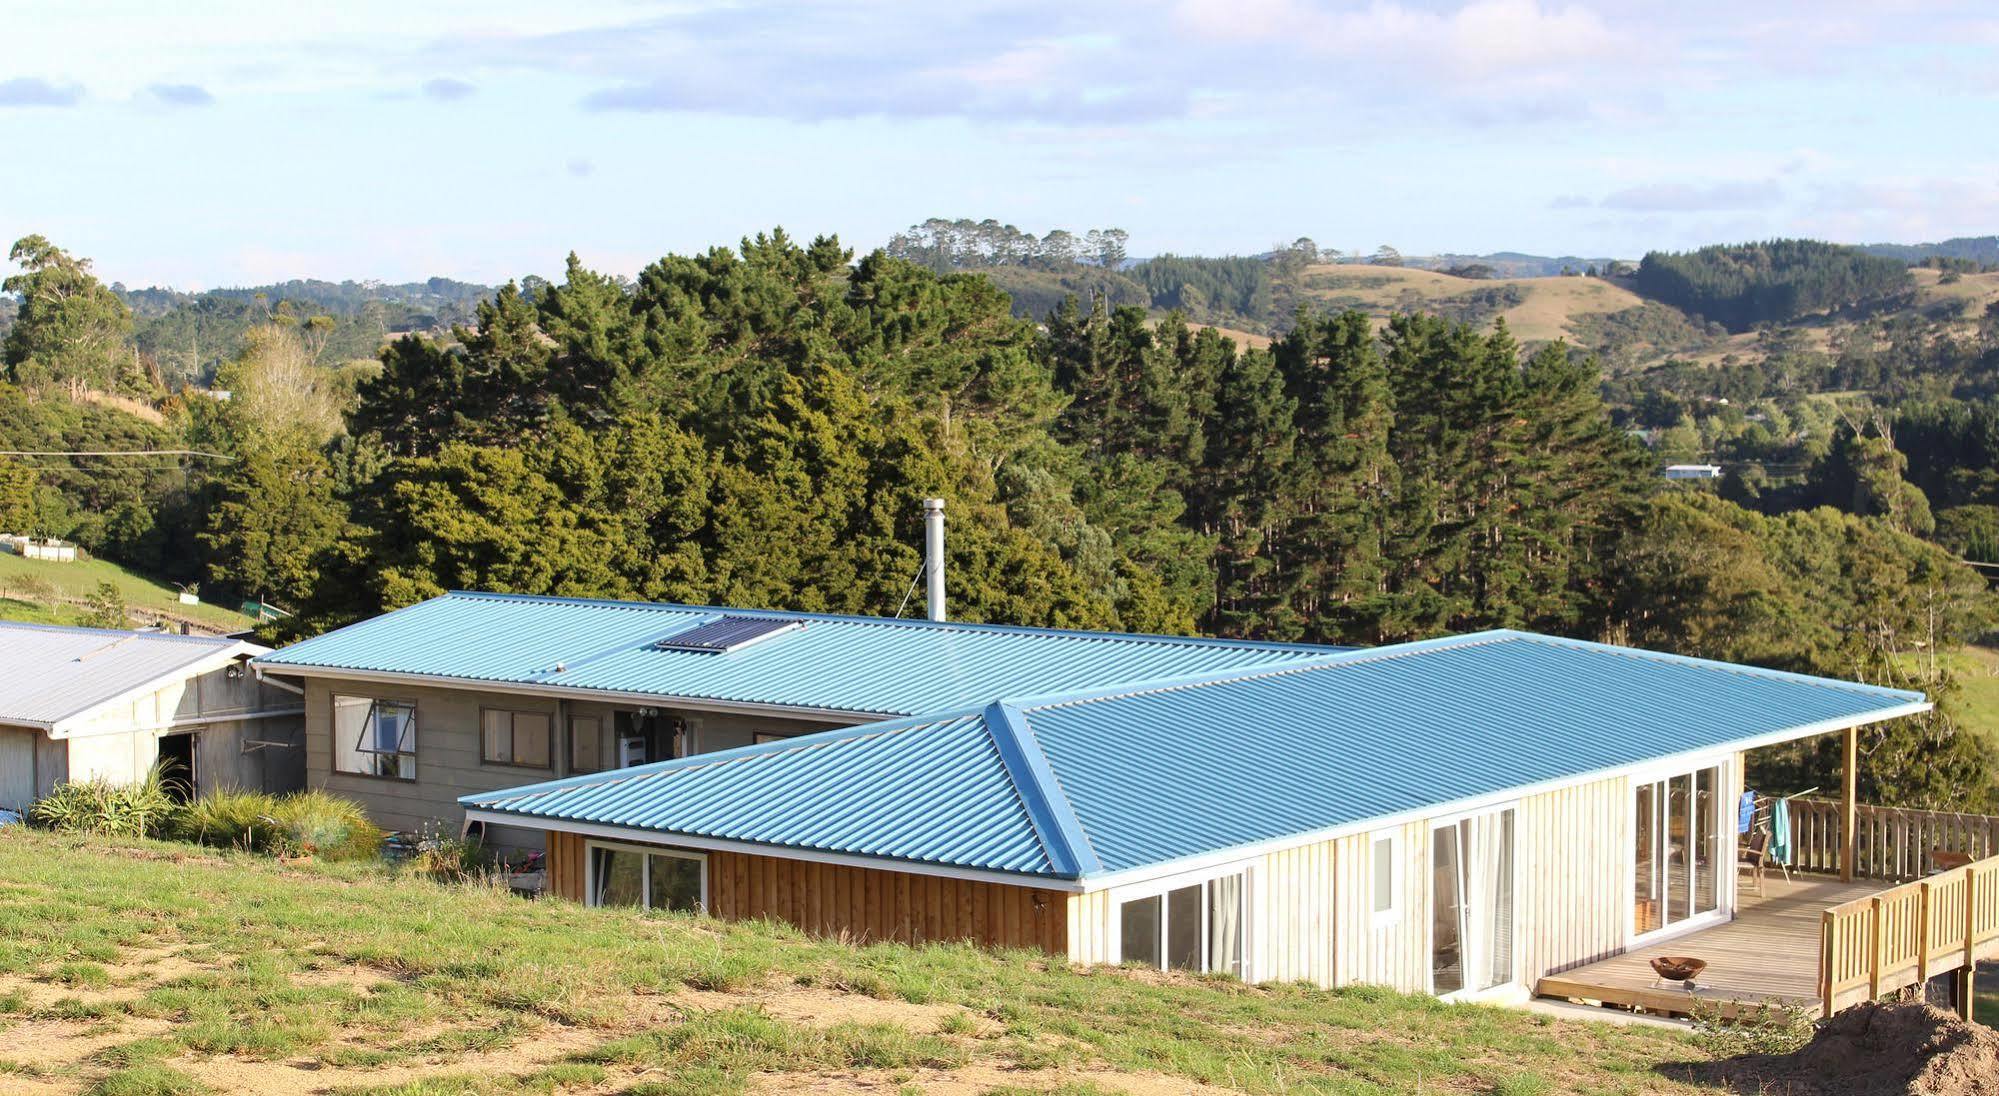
(1780, 832)
(1745, 815)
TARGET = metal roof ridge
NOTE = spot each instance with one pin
(1049, 811)
(566, 666)
(1302, 650)
(1258, 673)
(1740, 668)
(121, 633)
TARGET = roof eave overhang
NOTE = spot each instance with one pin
(643, 836)
(841, 716)
(63, 726)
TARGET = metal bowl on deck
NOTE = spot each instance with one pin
(1679, 968)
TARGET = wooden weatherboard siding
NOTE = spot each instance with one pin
(1312, 915)
(1575, 851)
(862, 904)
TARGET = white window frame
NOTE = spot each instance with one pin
(1397, 877)
(1158, 888)
(1727, 783)
(513, 714)
(333, 736)
(1513, 985)
(645, 871)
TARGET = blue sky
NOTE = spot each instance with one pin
(218, 143)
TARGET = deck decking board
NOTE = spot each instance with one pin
(1768, 953)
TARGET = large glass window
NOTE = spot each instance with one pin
(516, 738)
(374, 737)
(1196, 927)
(644, 879)
(1676, 849)
(1471, 941)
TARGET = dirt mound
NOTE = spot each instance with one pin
(1874, 1048)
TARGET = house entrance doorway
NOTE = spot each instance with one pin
(177, 766)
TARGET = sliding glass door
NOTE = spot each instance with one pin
(1471, 903)
(1677, 851)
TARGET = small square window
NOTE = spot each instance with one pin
(374, 737)
(515, 738)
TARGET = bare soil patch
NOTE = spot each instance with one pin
(1873, 1049)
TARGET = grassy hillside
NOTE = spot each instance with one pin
(1536, 309)
(22, 582)
(151, 967)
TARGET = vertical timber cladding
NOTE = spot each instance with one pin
(861, 904)
(1312, 912)
(1575, 848)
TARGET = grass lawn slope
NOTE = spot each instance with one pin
(80, 579)
(141, 967)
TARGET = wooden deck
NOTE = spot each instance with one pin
(1770, 952)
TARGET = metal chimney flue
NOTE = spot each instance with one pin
(933, 555)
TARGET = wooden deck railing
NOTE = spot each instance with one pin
(1909, 934)
(1892, 843)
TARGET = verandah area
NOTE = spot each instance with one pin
(1812, 940)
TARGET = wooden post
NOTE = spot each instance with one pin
(1967, 988)
(1970, 918)
(1828, 955)
(1923, 934)
(1847, 812)
(1874, 953)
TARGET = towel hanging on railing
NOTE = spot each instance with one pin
(1745, 815)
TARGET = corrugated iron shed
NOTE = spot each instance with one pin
(50, 673)
(1121, 780)
(868, 666)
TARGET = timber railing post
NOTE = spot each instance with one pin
(1923, 933)
(1874, 953)
(1828, 953)
(1970, 918)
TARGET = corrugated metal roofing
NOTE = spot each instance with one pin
(1175, 770)
(52, 673)
(864, 665)
(952, 801)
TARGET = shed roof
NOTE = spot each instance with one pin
(55, 673)
(863, 666)
(1090, 785)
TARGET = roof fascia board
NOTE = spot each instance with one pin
(1689, 758)
(198, 721)
(577, 692)
(782, 852)
(1053, 816)
(211, 660)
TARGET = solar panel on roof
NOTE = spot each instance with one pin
(727, 633)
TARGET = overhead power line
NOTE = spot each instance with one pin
(113, 453)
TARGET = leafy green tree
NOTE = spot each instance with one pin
(71, 332)
(19, 512)
(105, 608)
(275, 517)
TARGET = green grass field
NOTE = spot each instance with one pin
(79, 579)
(154, 968)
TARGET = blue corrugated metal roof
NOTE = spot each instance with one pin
(864, 665)
(1130, 779)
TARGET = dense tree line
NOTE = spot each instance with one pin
(1742, 285)
(757, 426)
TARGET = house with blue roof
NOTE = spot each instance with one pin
(1469, 816)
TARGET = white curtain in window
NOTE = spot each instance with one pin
(1225, 925)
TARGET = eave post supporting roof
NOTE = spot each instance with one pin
(1848, 801)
